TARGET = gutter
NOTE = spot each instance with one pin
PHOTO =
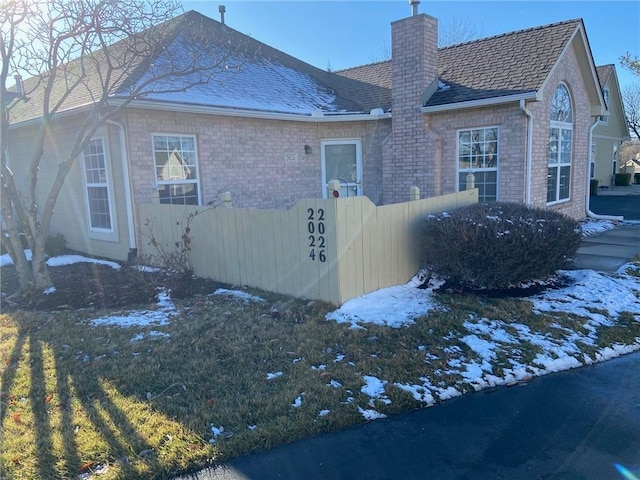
(485, 102)
(313, 117)
(589, 213)
(529, 152)
(127, 186)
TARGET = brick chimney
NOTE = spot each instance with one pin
(414, 63)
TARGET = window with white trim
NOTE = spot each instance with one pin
(592, 161)
(560, 146)
(176, 168)
(478, 154)
(97, 185)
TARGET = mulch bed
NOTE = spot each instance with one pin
(90, 285)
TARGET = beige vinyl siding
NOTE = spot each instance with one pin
(70, 213)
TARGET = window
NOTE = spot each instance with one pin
(592, 161)
(604, 119)
(560, 146)
(478, 154)
(342, 160)
(97, 185)
(176, 169)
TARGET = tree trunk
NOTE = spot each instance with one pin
(41, 276)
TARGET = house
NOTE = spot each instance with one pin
(515, 110)
(610, 131)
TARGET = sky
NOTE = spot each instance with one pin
(588, 294)
(342, 34)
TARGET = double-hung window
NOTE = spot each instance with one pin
(176, 169)
(478, 154)
(560, 146)
(97, 185)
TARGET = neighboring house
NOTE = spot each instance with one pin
(610, 132)
(516, 110)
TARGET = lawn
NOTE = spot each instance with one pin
(168, 386)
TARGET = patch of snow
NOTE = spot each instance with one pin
(139, 318)
(297, 403)
(246, 297)
(374, 388)
(395, 306)
(370, 414)
(324, 413)
(274, 375)
(61, 260)
(49, 291)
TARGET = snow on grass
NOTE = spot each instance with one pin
(274, 375)
(597, 299)
(61, 260)
(141, 318)
(237, 294)
(591, 227)
(395, 306)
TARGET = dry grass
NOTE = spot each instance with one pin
(77, 398)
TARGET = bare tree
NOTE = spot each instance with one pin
(631, 99)
(109, 51)
(457, 30)
(632, 63)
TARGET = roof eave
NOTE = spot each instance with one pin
(598, 108)
(483, 102)
(315, 117)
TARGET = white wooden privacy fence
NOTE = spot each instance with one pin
(332, 250)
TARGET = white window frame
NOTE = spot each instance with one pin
(476, 169)
(196, 181)
(107, 184)
(359, 173)
(592, 160)
(561, 126)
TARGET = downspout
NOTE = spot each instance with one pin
(528, 154)
(590, 214)
(127, 190)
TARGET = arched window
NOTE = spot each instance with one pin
(560, 146)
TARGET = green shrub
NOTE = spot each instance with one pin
(55, 245)
(622, 179)
(498, 245)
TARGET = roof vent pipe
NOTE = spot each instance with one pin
(222, 9)
(19, 89)
(414, 6)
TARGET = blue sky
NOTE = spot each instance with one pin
(343, 34)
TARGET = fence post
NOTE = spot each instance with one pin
(414, 193)
(471, 181)
(226, 199)
(333, 187)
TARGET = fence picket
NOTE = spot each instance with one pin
(331, 250)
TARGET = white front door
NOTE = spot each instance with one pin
(342, 161)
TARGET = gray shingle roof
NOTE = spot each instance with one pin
(265, 79)
(604, 72)
(253, 75)
(508, 64)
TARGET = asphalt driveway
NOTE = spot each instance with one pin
(628, 206)
(582, 424)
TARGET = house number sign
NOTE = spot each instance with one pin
(315, 229)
